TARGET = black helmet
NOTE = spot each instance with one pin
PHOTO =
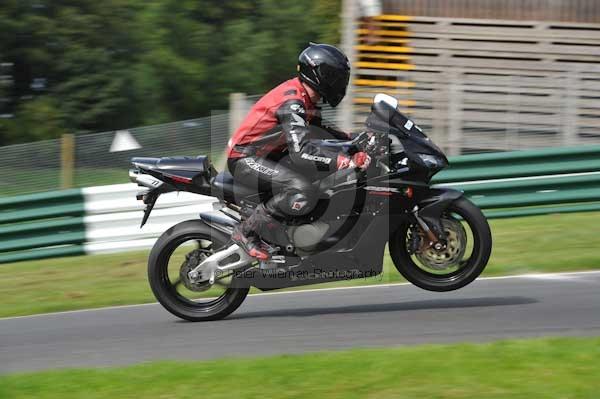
(327, 70)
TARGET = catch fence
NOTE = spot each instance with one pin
(86, 160)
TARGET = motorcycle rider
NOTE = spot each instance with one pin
(273, 148)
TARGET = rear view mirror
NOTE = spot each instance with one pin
(389, 100)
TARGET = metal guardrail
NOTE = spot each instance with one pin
(500, 165)
(106, 219)
(41, 225)
(85, 221)
(527, 183)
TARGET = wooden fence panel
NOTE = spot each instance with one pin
(543, 10)
(485, 84)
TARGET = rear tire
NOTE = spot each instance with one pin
(162, 288)
(473, 267)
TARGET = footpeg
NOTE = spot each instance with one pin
(274, 262)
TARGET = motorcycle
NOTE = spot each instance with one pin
(438, 239)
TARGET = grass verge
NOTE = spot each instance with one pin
(549, 243)
(541, 368)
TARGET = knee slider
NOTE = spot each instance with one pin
(299, 204)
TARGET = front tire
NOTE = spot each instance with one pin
(465, 271)
(168, 294)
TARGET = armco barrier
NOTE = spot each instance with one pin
(89, 220)
(527, 183)
(42, 225)
(107, 218)
(113, 217)
(513, 164)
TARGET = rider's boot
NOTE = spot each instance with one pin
(246, 234)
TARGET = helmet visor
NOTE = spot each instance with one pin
(334, 82)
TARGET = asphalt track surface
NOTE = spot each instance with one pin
(527, 306)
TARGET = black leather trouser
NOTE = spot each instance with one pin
(293, 191)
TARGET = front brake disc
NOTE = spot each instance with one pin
(452, 254)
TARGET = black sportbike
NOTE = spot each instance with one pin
(438, 239)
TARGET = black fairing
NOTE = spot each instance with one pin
(224, 188)
(406, 140)
(217, 218)
(199, 164)
(198, 170)
(358, 255)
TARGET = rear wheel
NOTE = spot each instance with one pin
(469, 244)
(179, 250)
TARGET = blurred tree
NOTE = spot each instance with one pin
(171, 73)
(88, 65)
(71, 56)
(263, 51)
(328, 12)
(97, 45)
(38, 119)
(5, 88)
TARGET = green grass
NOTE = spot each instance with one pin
(541, 369)
(537, 244)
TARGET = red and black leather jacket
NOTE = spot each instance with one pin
(280, 120)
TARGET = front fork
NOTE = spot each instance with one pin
(428, 214)
(436, 239)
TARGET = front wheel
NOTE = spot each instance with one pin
(469, 244)
(178, 251)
